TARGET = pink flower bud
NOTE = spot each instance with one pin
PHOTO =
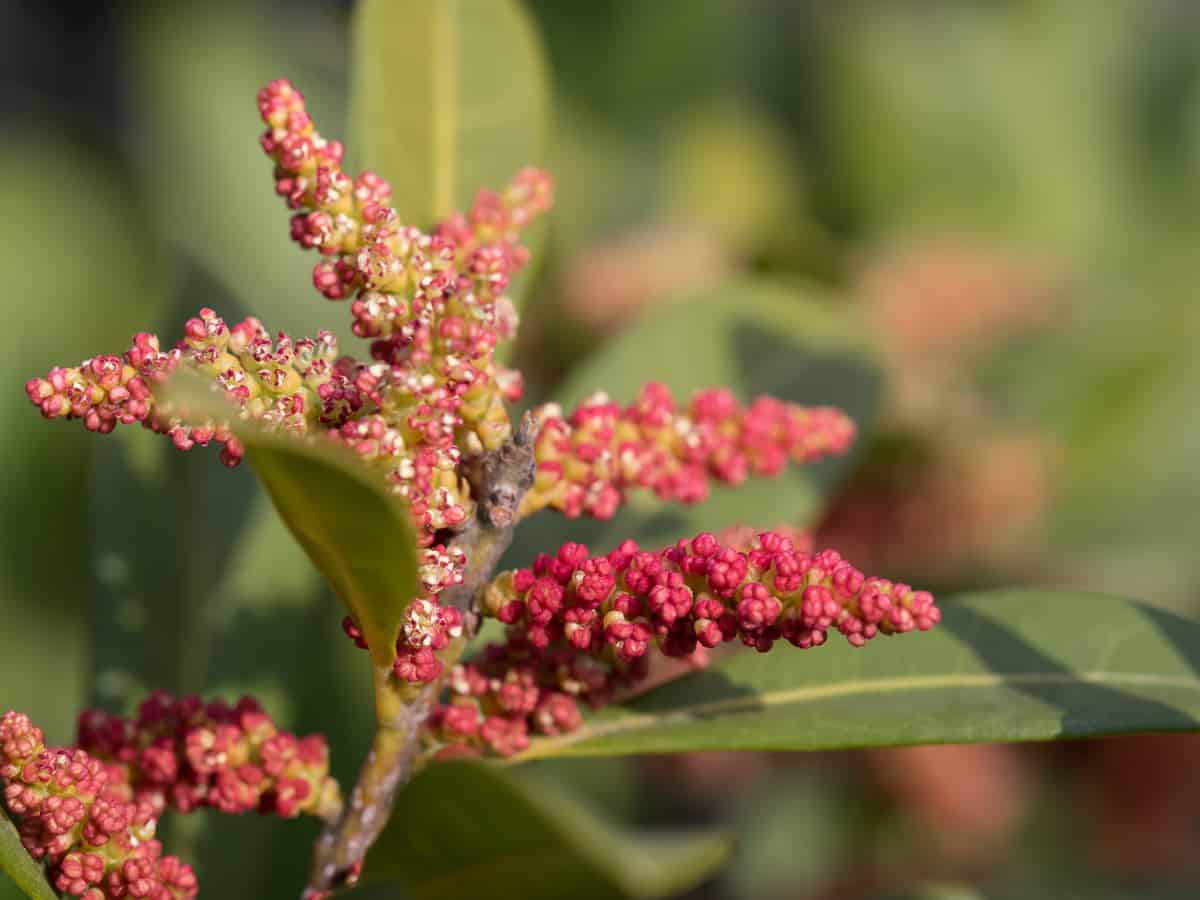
(581, 627)
(96, 845)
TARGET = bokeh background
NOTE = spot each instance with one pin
(1004, 195)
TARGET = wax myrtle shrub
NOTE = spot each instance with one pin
(444, 518)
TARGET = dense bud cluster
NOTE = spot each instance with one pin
(433, 305)
(425, 409)
(298, 385)
(95, 842)
(580, 627)
(184, 754)
(428, 628)
(586, 462)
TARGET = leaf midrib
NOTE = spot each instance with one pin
(546, 747)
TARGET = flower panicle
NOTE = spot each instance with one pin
(399, 424)
(185, 754)
(401, 277)
(95, 843)
(296, 384)
(581, 627)
(588, 460)
(432, 304)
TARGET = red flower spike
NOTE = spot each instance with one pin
(184, 753)
(580, 627)
(96, 844)
(433, 304)
(588, 460)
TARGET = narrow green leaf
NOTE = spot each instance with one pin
(1016, 665)
(359, 536)
(448, 96)
(356, 532)
(19, 865)
(756, 337)
(468, 830)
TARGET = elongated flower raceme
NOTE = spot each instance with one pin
(587, 461)
(95, 843)
(581, 627)
(184, 754)
(433, 303)
(298, 385)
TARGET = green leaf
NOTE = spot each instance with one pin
(358, 535)
(756, 337)
(19, 865)
(201, 588)
(466, 830)
(448, 96)
(198, 587)
(178, 547)
(356, 532)
(730, 168)
(1016, 665)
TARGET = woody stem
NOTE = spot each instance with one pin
(498, 479)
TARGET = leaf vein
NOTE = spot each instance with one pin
(729, 706)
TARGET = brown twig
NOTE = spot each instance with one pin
(498, 480)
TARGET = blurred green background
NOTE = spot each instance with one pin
(1004, 195)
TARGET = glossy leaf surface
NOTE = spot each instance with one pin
(1016, 665)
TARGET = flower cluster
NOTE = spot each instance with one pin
(184, 754)
(433, 306)
(427, 401)
(429, 627)
(299, 385)
(587, 461)
(96, 844)
(580, 627)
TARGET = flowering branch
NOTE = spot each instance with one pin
(581, 627)
(499, 479)
(587, 461)
(185, 754)
(426, 410)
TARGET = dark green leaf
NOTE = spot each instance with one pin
(1017, 665)
(465, 830)
(757, 338)
(448, 96)
(19, 865)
